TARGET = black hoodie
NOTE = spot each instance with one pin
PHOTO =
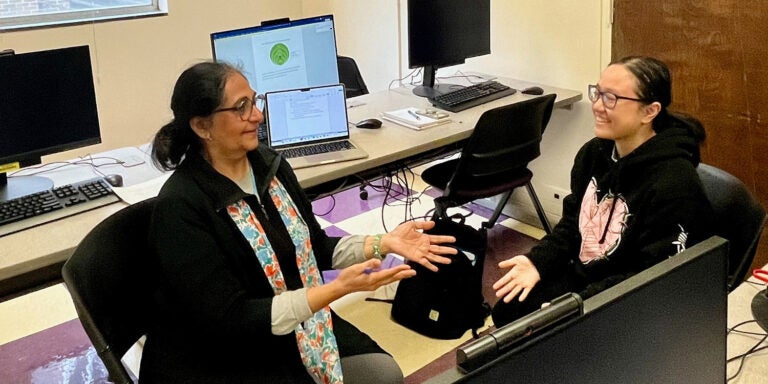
(626, 214)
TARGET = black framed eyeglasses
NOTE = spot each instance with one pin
(609, 99)
(244, 107)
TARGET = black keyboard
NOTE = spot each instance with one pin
(316, 149)
(53, 204)
(472, 95)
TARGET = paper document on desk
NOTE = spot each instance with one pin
(134, 193)
(416, 118)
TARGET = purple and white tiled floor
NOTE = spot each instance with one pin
(42, 341)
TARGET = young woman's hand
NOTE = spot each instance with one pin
(519, 280)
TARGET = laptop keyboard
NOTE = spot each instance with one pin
(316, 149)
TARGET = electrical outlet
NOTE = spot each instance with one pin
(558, 193)
(552, 197)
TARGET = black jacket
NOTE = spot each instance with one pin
(213, 304)
(658, 207)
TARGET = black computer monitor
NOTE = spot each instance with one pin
(282, 54)
(47, 105)
(443, 33)
(666, 324)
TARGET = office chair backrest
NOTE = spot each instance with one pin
(109, 280)
(739, 218)
(505, 139)
(349, 75)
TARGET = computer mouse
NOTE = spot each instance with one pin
(760, 309)
(534, 90)
(114, 180)
(369, 124)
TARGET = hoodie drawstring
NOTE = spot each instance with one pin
(608, 223)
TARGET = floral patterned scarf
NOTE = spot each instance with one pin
(315, 338)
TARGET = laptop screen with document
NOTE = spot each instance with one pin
(307, 117)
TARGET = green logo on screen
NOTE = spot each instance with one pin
(279, 54)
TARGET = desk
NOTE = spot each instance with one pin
(393, 146)
(34, 257)
(755, 368)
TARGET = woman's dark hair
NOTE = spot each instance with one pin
(199, 90)
(654, 84)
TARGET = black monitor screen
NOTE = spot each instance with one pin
(442, 33)
(47, 104)
(666, 324)
(280, 55)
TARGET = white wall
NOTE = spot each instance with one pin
(366, 30)
(563, 43)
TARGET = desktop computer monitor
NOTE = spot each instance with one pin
(443, 33)
(666, 324)
(282, 54)
(47, 105)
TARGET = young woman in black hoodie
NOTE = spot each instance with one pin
(635, 200)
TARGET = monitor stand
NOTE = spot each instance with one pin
(431, 90)
(13, 187)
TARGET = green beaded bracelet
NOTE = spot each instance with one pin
(377, 246)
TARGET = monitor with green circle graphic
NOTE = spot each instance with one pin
(283, 54)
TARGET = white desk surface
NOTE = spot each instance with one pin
(54, 242)
(755, 369)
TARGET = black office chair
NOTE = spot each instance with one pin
(739, 218)
(349, 75)
(495, 159)
(109, 280)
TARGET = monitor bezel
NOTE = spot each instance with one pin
(32, 157)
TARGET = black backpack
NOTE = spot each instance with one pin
(447, 303)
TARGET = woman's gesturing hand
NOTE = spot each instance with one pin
(409, 241)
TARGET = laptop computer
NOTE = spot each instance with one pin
(309, 126)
